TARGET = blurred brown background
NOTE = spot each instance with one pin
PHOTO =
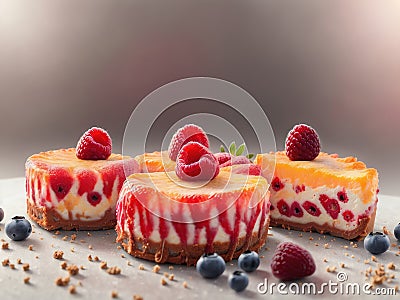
(68, 65)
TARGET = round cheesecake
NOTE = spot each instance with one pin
(64, 192)
(163, 219)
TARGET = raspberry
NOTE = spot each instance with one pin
(223, 158)
(284, 208)
(348, 215)
(277, 184)
(342, 196)
(247, 169)
(61, 182)
(226, 159)
(196, 162)
(302, 143)
(93, 198)
(331, 205)
(184, 135)
(94, 144)
(311, 208)
(296, 210)
(290, 261)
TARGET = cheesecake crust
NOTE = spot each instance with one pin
(50, 219)
(365, 226)
(163, 252)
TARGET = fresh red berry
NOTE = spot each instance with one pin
(247, 169)
(302, 143)
(331, 205)
(223, 158)
(284, 208)
(296, 210)
(311, 208)
(196, 162)
(290, 261)
(184, 135)
(60, 181)
(226, 159)
(94, 144)
(277, 184)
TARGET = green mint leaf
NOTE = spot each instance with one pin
(250, 155)
(241, 149)
(222, 149)
(232, 148)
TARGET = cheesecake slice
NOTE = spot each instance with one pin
(64, 192)
(164, 219)
(328, 194)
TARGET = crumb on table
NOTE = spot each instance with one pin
(27, 279)
(58, 254)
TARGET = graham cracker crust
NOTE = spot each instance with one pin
(365, 226)
(50, 219)
(163, 252)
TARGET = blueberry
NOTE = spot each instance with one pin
(249, 261)
(376, 242)
(238, 281)
(18, 229)
(397, 231)
(210, 265)
(1, 214)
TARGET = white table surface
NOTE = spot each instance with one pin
(97, 284)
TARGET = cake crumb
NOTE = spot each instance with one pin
(63, 265)
(156, 269)
(90, 258)
(72, 249)
(57, 232)
(25, 267)
(73, 269)
(171, 277)
(391, 266)
(119, 247)
(114, 271)
(5, 246)
(137, 297)
(166, 274)
(65, 238)
(19, 261)
(122, 255)
(352, 256)
(331, 269)
(346, 247)
(355, 245)
(163, 281)
(12, 266)
(37, 256)
(96, 258)
(346, 254)
(89, 234)
(373, 258)
(366, 261)
(30, 247)
(58, 254)
(82, 267)
(325, 259)
(342, 265)
(5, 262)
(62, 281)
(141, 267)
(316, 244)
(129, 263)
(326, 246)
(72, 289)
(73, 237)
(27, 279)
(185, 285)
(311, 238)
(386, 230)
(103, 265)
(114, 294)
(90, 247)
